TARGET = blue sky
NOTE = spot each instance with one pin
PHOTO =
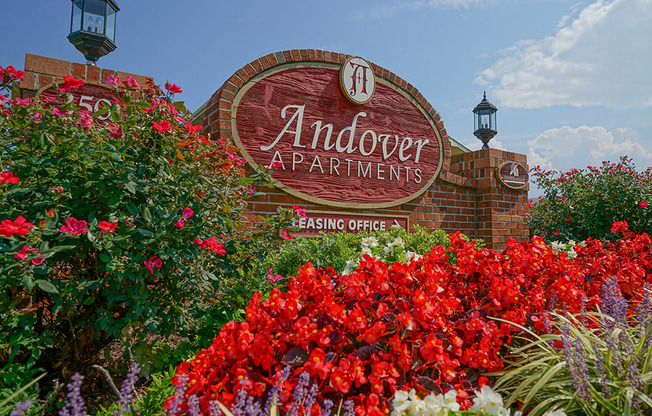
(571, 79)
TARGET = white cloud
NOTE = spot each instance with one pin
(602, 56)
(567, 147)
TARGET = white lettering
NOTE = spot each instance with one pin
(417, 174)
(364, 172)
(373, 142)
(279, 160)
(396, 173)
(348, 162)
(385, 140)
(340, 224)
(349, 146)
(297, 132)
(401, 156)
(419, 144)
(294, 159)
(318, 130)
(381, 171)
(316, 162)
(336, 166)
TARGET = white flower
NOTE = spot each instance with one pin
(450, 400)
(487, 401)
(410, 255)
(401, 401)
(366, 250)
(369, 242)
(398, 242)
(433, 405)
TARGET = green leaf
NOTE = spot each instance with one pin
(89, 300)
(142, 104)
(46, 286)
(146, 233)
(101, 112)
(132, 209)
(147, 216)
(106, 258)
(131, 187)
(116, 156)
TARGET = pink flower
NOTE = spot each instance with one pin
(37, 117)
(58, 112)
(23, 101)
(20, 226)
(300, 211)
(24, 252)
(163, 126)
(112, 80)
(108, 226)
(569, 219)
(643, 204)
(131, 83)
(287, 235)
(273, 279)
(172, 88)
(153, 261)
(57, 190)
(74, 227)
(38, 261)
(187, 213)
(86, 122)
(556, 232)
(180, 223)
(8, 177)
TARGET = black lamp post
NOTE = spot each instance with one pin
(92, 28)
(484, 115)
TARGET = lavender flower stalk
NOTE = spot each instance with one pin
(326, 408)
(75, 405)
(127, 389)
(22, 408)
(179, 394)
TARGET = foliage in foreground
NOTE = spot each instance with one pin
(427, 325)
(584, 203)
(591, 364)
(124, 222)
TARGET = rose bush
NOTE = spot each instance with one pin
(585, 203)
(121, 222)
(428, 325)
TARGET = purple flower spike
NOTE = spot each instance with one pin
(22, 408)
(179, 394)
(75, 405)
(127, 389)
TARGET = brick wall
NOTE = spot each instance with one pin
(467, 196)
(41, 71)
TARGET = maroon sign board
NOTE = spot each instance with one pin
(328, 222)
(339, 135)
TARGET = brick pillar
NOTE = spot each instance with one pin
(500, 211)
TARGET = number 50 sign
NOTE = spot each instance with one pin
(91, 96)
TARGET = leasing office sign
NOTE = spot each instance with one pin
(337, 134)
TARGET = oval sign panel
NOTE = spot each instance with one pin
(513, 175)
(337, 135)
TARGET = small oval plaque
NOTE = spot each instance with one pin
(512, 174)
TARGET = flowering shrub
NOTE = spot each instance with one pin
(427, 325)
(585, 203)
(593, 363)
(123, 218)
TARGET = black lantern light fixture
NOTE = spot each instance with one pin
(92, 28)
(484, 115)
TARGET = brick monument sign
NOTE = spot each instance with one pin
(356, 146)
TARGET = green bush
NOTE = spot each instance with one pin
(585, 203)
(339, 249)
(108, 228)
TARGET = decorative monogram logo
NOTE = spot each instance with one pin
(357, 80)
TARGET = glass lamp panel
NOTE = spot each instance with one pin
(76, 19)
(484, 120)
(110, 23)
(94, 16)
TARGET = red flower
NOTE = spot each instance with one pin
(163, 126)
(619, 227)
(643, 204)
(180, 223)
(24, 252)
(70, 83)
(108, 226)
(172, 88)
(187, 213)
(74, 226)
(286, 235)
(20, 226)
(569, 219)
(211, 244)
(8, 177)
